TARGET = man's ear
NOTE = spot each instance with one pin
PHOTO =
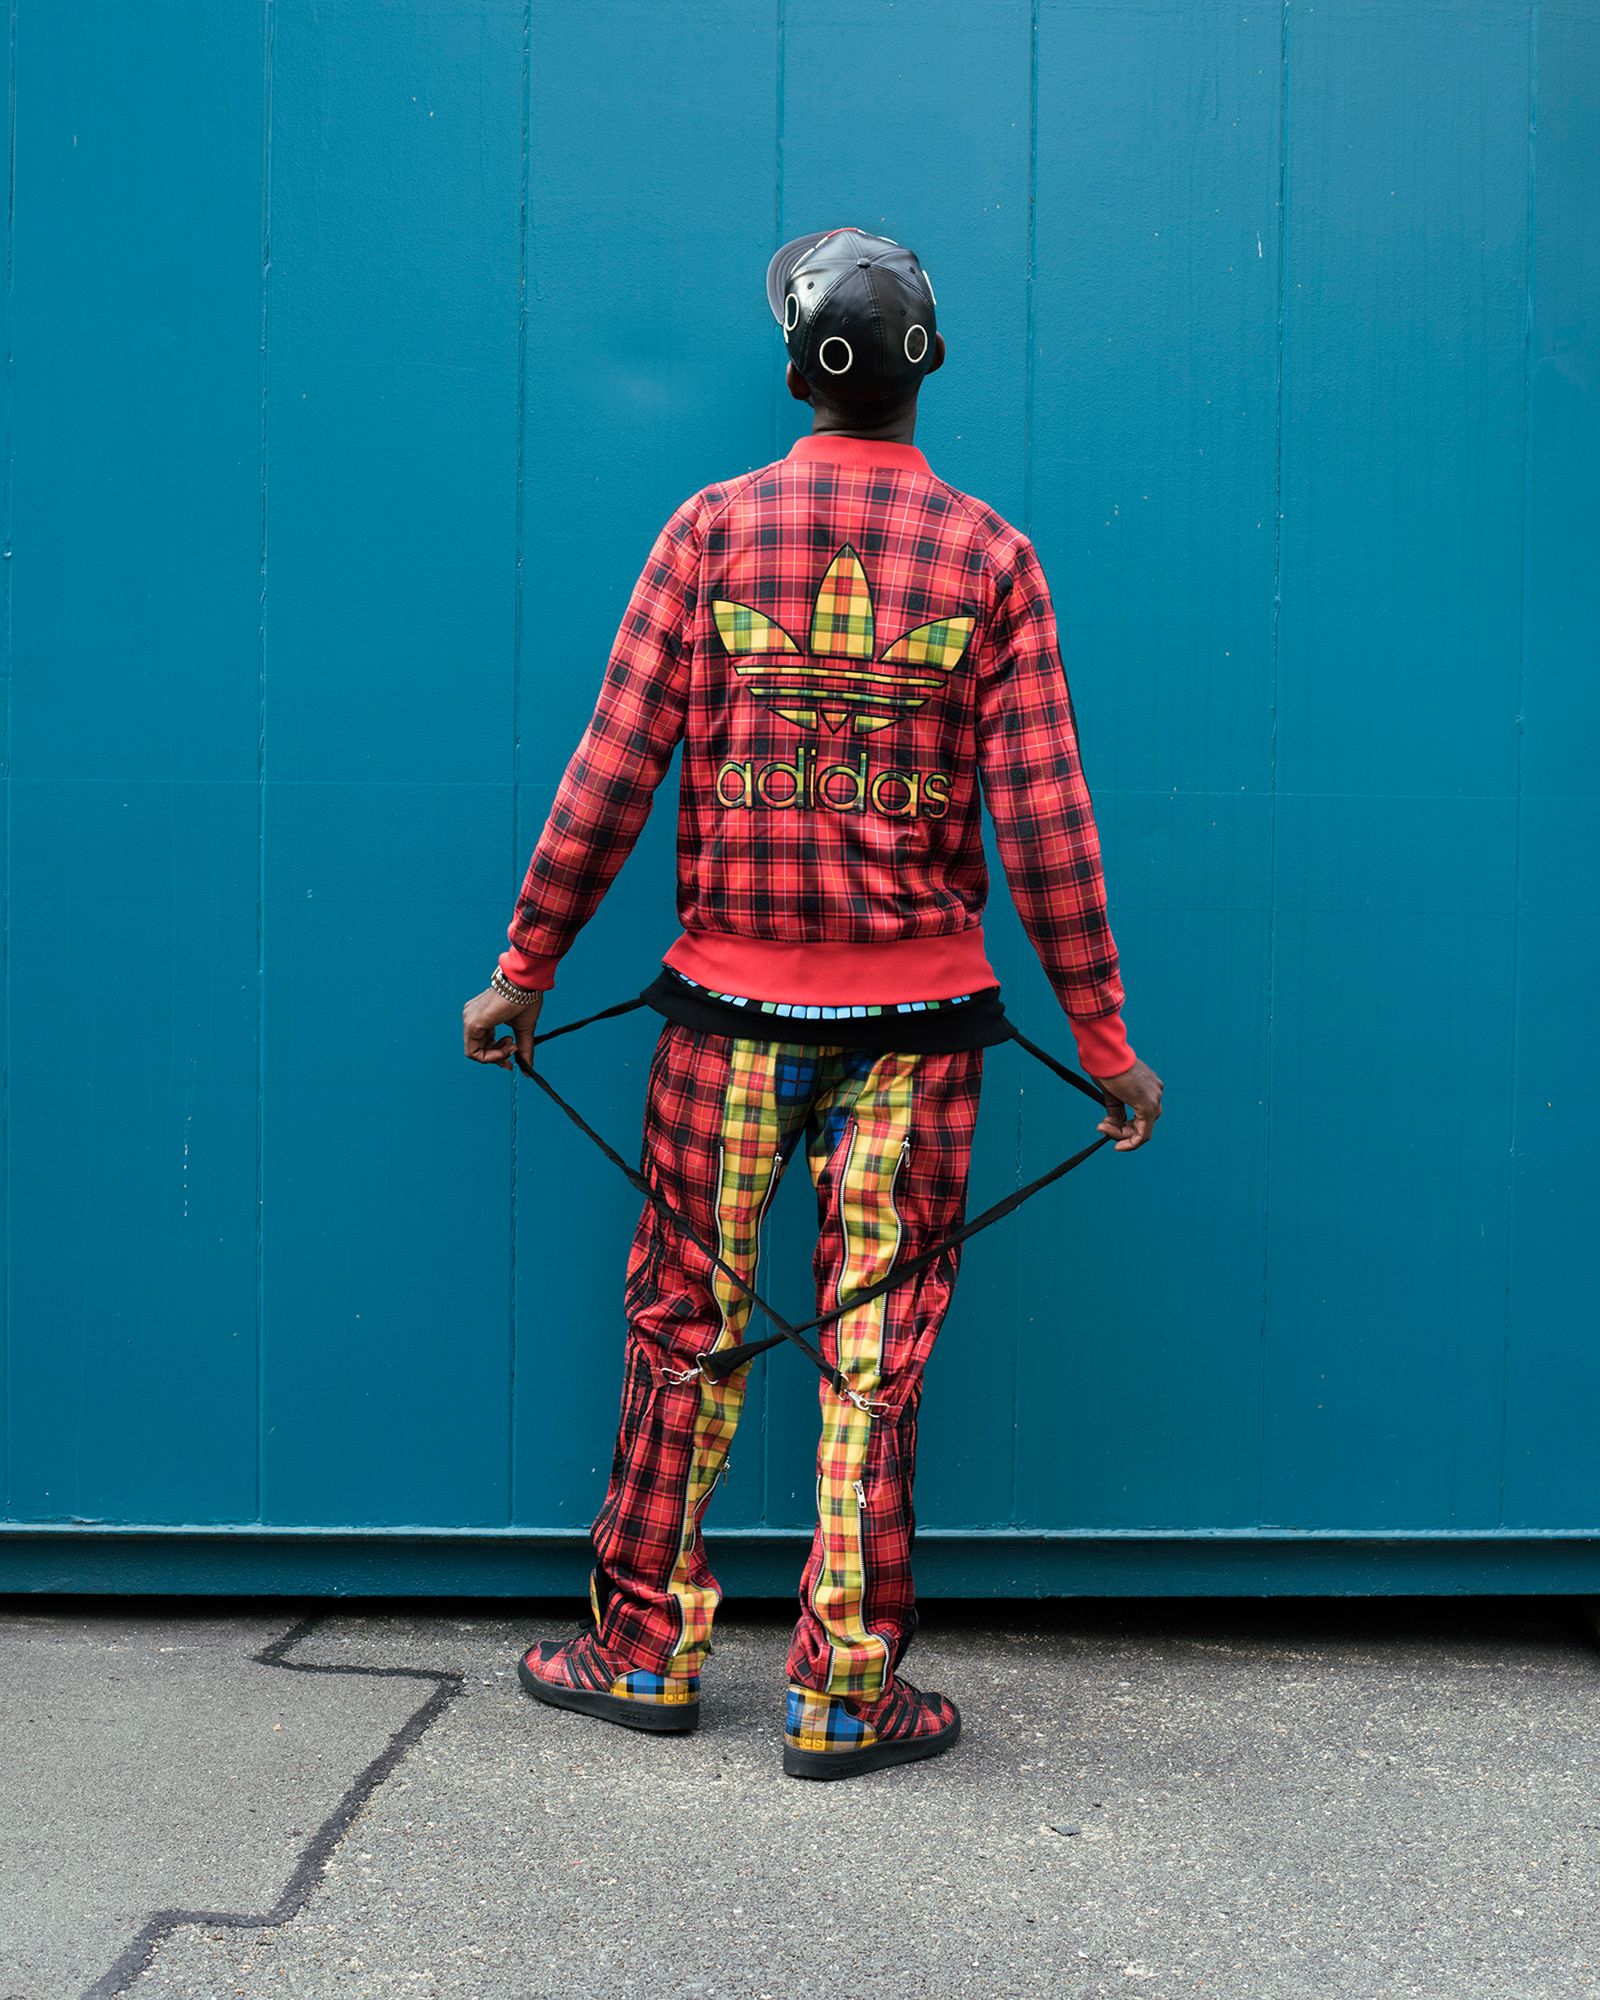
(938, 354)
(799, 387)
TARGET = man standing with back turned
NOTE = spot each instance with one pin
(853, 654)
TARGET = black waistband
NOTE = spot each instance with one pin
(976, 1023)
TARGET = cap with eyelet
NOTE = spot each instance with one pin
(857, 312)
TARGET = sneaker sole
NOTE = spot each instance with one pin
(676, 1719)
(871, 1757)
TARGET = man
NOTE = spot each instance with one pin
(851, 651)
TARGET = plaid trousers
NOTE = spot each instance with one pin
(888, 1144)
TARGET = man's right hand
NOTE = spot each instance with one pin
(489, 1011)
(1136, 1090)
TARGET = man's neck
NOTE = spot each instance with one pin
(897, 429)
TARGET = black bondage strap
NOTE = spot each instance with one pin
(715, 1365)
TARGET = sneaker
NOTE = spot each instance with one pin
(579, 1674)
(840, 1736)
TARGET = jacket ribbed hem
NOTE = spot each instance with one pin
(842, 975)
(839, 975)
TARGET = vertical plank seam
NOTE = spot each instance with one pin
(5, 917)
(1032, 324)
(1279, 371)
(525, 116)
(780, 34)
(780, 22)
(1518, 731)
(1029, 335)
(268, 25)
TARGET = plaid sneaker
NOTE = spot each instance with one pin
(579, 1673)
(839, 1736)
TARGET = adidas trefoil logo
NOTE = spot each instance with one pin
(840, 683)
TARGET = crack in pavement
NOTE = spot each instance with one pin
(318, 1850)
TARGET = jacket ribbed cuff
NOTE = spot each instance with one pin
(1102, 1043)
(537, 974)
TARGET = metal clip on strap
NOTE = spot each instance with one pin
(717, 1365)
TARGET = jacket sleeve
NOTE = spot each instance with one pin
(1033, 784)
(605, 794)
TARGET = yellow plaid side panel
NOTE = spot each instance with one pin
(748, 1167)
(879, 1138)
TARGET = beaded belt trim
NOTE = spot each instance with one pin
(800, 1012)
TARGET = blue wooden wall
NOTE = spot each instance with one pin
(355, 352)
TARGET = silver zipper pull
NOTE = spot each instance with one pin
(861, 1494)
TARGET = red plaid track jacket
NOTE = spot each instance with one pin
(855, 656)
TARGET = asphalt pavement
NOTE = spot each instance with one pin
(1338, 1799)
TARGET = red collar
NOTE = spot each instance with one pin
(844, 450)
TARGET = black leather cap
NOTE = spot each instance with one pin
(857, 312)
